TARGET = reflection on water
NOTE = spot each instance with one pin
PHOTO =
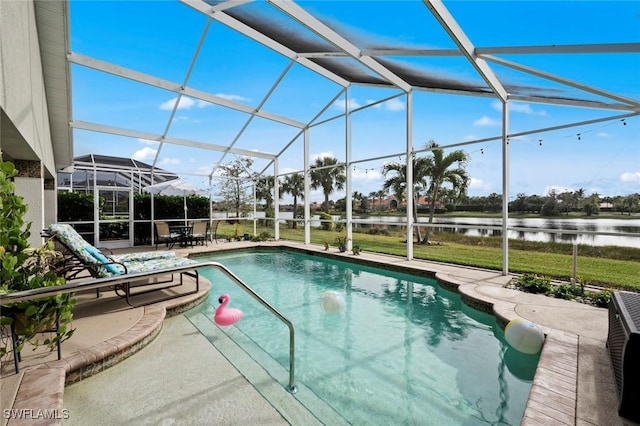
(613, 226)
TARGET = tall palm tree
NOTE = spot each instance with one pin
(397, 182)
(327, 178)
(357, 198)
(294, 185)
(373, 195)
(381, 194)
(438, 170)
(264, 190)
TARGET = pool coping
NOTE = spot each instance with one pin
(552, 398)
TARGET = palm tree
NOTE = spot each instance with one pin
(326, 177)
(294, 185)
(357, 198)
(373, 195)
(438, 171)
(264, 188)
(398, 182)
(381, 194)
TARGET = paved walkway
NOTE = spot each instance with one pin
(573, 385)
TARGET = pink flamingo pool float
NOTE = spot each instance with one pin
(224, 315)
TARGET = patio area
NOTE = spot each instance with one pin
(574, 382)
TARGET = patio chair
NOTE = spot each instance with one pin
(164, 235)
(214, 229)
(81, 257)
(200, 232)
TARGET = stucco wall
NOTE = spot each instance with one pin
(22, 91)
(31, 190)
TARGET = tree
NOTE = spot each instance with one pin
(381, 193)
(264, 190)
(520, 204)
(439, 172)
(397, 182)
(232, 190)
(294, 185)
(592, 205)
(356, 199)
(578, 196)
(550, 206)
(327, 174)
(494, 202)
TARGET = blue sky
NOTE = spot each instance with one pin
(160, 38)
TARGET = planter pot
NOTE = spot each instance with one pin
(247, 237)
(342, 248)
(20, 324)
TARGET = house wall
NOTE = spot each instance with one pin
(25, 135)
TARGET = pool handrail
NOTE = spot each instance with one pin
(72, 287)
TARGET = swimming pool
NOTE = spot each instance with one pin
(404, 351)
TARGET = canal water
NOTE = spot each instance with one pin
(599, 232)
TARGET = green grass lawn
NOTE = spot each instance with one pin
(614, 267)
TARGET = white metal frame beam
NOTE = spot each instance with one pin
(225, 19)
(552, 77)
(312, 23)
(177, 88)
(441, 13)
(83, 125)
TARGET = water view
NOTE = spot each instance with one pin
(595, 232)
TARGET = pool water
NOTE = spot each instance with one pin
(403, 351)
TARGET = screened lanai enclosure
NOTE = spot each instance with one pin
(540, 96)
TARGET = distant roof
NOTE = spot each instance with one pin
(118, 171)
(123, 163)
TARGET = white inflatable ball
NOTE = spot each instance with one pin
(333, 302)
(524, 336)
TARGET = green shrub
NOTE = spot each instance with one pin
(533, 284)
(600, 298)
(326, 221)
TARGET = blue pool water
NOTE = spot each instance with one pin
(404, 351)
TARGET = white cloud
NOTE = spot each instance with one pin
(170, 161)
(148, 142)
(322, 155)
(145, 154)
(185, 103)
(630, 177)
(559, 189)
(476, 183)
(340, 103)
(517, 107)
(486, 121)
(235, 98)
(603, 135)
(393, 105)
(365, 175)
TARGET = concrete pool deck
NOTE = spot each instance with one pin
(574, 382)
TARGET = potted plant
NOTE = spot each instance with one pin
(25, 268)
(341, 242)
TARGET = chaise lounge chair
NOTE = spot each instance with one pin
(81, 257)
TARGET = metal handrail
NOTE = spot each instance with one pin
(72, 287)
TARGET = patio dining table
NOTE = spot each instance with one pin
(186, 234)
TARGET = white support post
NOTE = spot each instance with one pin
(505, 188)
(348, 198)
(276, 196)
(255, 209)
(307, 183)
(409, 176)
